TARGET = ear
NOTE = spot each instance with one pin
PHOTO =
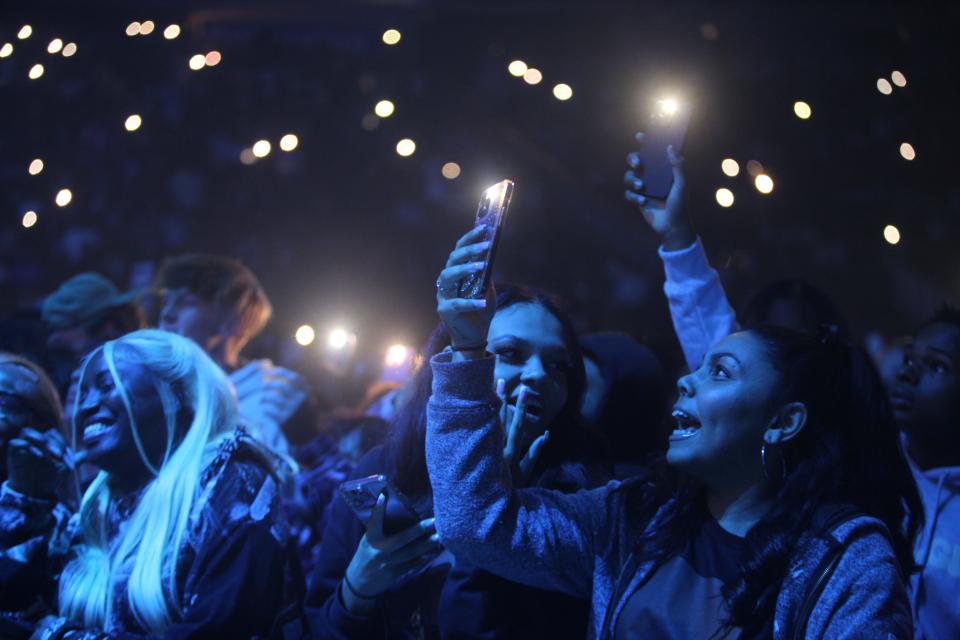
(787, 424)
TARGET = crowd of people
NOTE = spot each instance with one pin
(530, 482)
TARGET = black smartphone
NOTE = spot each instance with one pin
(361, 496)
(666, 125)
(490, 215)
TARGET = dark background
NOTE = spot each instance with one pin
(343, 230)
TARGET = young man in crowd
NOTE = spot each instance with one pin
(219, 304)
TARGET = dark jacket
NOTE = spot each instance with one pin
(581, 543)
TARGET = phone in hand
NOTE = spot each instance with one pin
(490, 216)
(361, 496)
(666, 125)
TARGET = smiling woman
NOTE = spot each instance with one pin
(169, 539)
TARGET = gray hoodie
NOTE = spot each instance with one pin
(579, 543)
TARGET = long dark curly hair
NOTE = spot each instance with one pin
(570, 439)
(848, 453)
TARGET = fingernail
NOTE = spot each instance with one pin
(501, 386)
(381, 499)
(435, 537)
(637, 184)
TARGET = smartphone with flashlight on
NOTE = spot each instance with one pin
(361, 496)
(666, 125)
(490, 216)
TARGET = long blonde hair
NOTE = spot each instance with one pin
(144, 553)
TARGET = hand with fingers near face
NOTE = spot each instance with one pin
(667, 218)
(520, 455)
(381, 560)
(466, 320)
(37, 463)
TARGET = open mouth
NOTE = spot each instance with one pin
(531, 405)
(686, 425)
(94, 430)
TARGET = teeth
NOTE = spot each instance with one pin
(684, 420)
(95, 429)
(680, 434)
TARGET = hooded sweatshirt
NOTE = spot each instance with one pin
(935, 589)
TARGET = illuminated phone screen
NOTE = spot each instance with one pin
(490, 215)
(666, 125)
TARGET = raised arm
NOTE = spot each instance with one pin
(698, 304)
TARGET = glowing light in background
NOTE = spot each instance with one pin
(133, 122)
(450, 170)
(35, 71)
(289, 142)
(24, 32)
(891, 234)
(146, 27)
(730, 167)
(212, 58)
(884, 87)
(724, 197)
(709, 31)
(247, 157)
(70, 49)
(397, 355)
(64, 196)
(562, 92)
(668, 106)
(36, 166)
(55, 46)
(406, 147)
(305, 335)
(763, 183)
(197, 62)
(532, 76)
(171, 32)
(6, 50)
(907, 151)
(898, 79)
(391, 36)
(338, 339)
(133, 28)
(517, 68)
(802, 109)
(369, 122)
(754, 168)
(384, 109)
(261, 148)
(29, 219)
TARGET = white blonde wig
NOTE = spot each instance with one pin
(144, 553)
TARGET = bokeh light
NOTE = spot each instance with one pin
(709, 31)
(369, 122)
(133, 122)
(289, 142)
(397, 355)
(6, 50)
(406, 147)
(898, 79)
(29, 219)
(147, 27)
(35, 71)
(532, 76)
(197, 62)
(212, 58)
(36, 166)
(724, 197)
(562, 92)
(70, 49)
(24, 32)
(384, 109)
(763, 183)
(754, 168)
(907, 151)
(802, 109)
(391, 36)
(171, 32)
(884, 86)
(305, 335)
(338, 339)
(517, 68)
(668, 106)
(55, 46)
(730, 167)
(247, 157)
(450, 170)
(133, 28)
(63, 198)
(261, 148)
(891, 234)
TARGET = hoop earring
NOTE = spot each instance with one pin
(763, 464)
